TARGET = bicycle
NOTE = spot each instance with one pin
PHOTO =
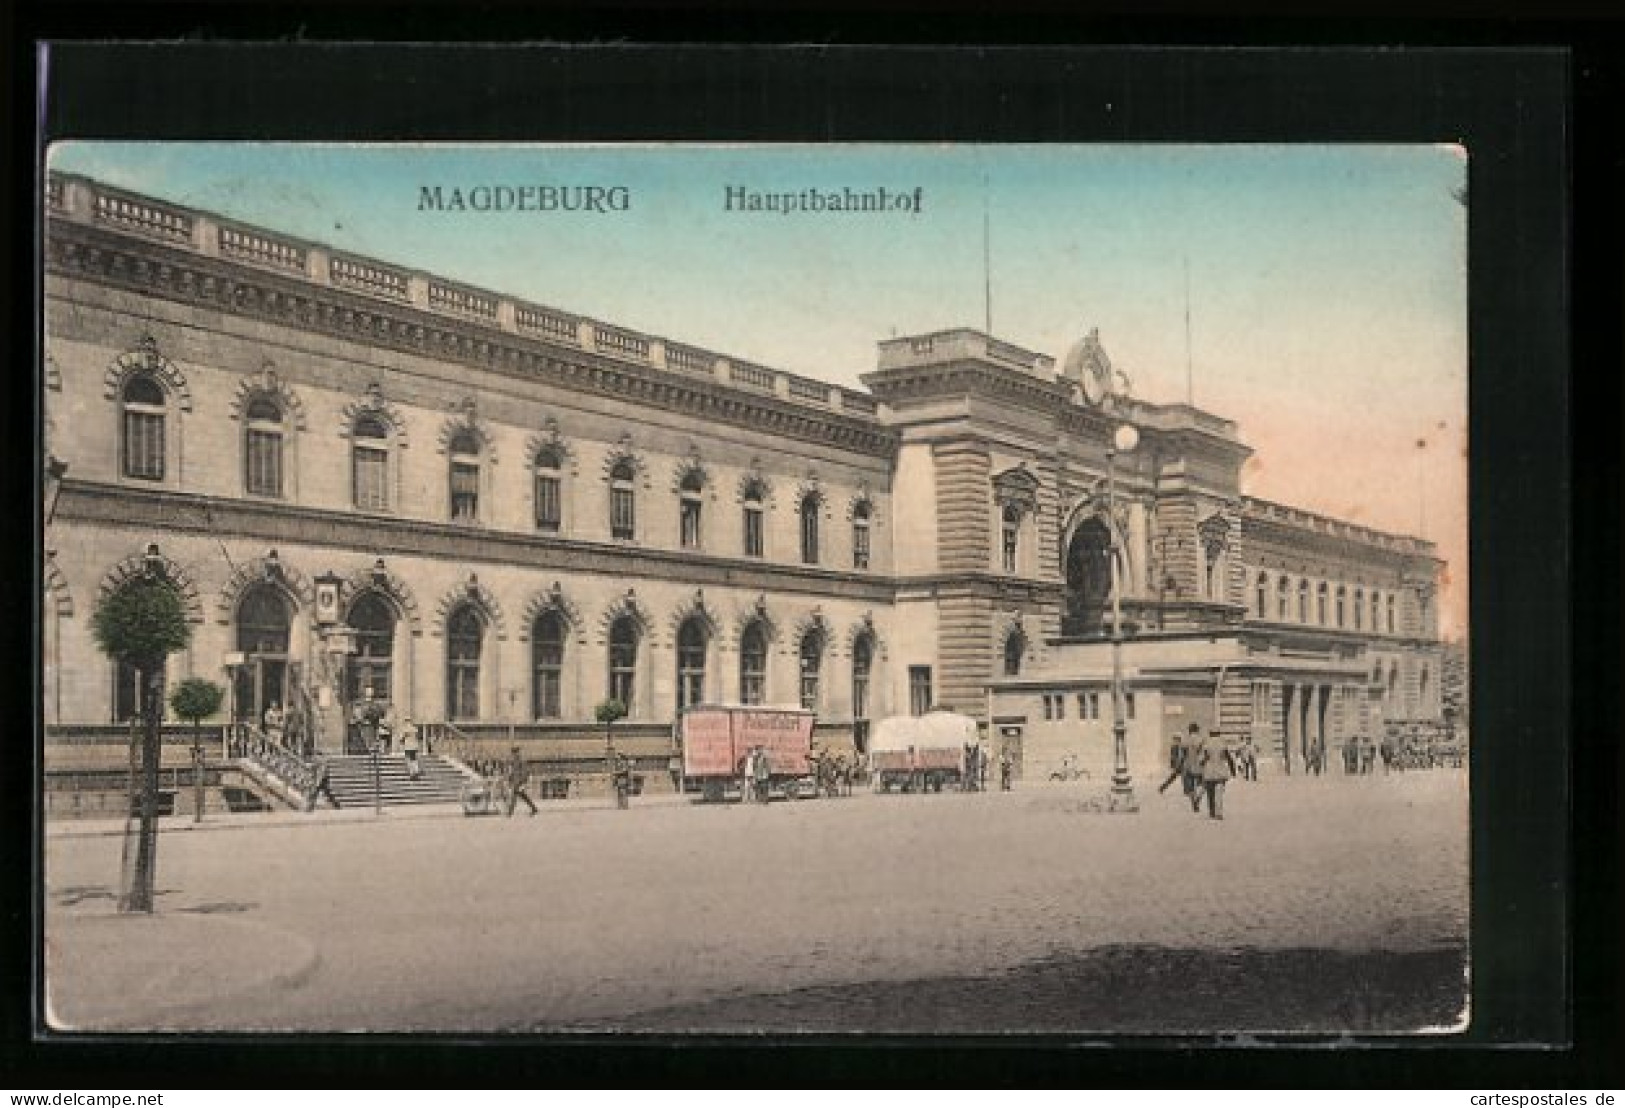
(1069, 770)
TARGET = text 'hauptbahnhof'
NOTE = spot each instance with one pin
(493, 516)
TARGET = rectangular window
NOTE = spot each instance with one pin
(548, 504)
(371, 479)
(622, 520)
(919, 690)
(753, 533)
(691, 524)
(465, 492)
(1010, 535)
(860, 696)
(144, 445)
(1128, 705)
(264, 461)
(860, 548)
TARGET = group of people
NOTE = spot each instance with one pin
(835, 773)
(1205, 765)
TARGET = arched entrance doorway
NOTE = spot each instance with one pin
(263, 620)
(1088, 579)
(372, 666)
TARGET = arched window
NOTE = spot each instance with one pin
(465, 632)
(622, 501)
(1303, 601)
(623, 660)
(262, 447)
(1393, 682)
(863, 662)
(754, 541)
(369, 464)
(1281, 587)
(1390, 613)
(465, 477)
(549, 494)
(861, 513)
(690, 500)
(753, 664)
(372, 664)
(263, 621)
(1342, 604)
(1088, 579)
(812, 664)
(144, 427)
(1376, 608)
(547, 664)
(1011, 538)
(1015, 645)
(1320, 604)
(690, 663)
(809, 529)
(1359, 609)
(1261, 595)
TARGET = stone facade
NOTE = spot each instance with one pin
(498, 513)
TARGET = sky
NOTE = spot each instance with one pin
(1325, 286)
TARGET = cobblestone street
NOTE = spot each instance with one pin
(1322, 905)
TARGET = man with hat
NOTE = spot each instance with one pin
(518, 783)
(1218, 766)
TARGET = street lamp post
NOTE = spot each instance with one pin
(1125, 439)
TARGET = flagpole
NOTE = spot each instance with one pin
(1190, 373)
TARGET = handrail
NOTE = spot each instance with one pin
(289, 765)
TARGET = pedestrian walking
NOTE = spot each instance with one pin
(320, 785)
(1190, 766)
(1218, 766)
(366, 717)
(1247, 758)
(621, 778)
(1176, 761)
(764, 774)
(519, 783)
(411, 746)
(1007, 770)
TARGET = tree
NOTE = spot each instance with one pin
(193, 699)
(141, 624)
(607, 712)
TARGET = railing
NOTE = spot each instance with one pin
(448, 298)
(690, 361)
(369, 278)
(253, 247)
(751, 376)
(148, 219)
(249, 742)
(809, 390)
(550, 324)
(620, 342)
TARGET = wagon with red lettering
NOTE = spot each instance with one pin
(717, 739)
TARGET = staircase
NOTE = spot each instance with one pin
(350, 778)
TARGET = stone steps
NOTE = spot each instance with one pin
(350, 777)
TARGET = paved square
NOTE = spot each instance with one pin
(1325, 904)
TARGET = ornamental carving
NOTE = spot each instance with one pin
(694, 608)
(136, 566)
(268, 569)
(268, 383)
(466, 419)
(551, 599)
(372, 402)
(757, 612)
(625, 605)
(379, 578)
(549, 440)
(471, 591)
(144, 357)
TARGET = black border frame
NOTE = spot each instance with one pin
(1512, 108)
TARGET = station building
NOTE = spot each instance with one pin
(495, 515)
